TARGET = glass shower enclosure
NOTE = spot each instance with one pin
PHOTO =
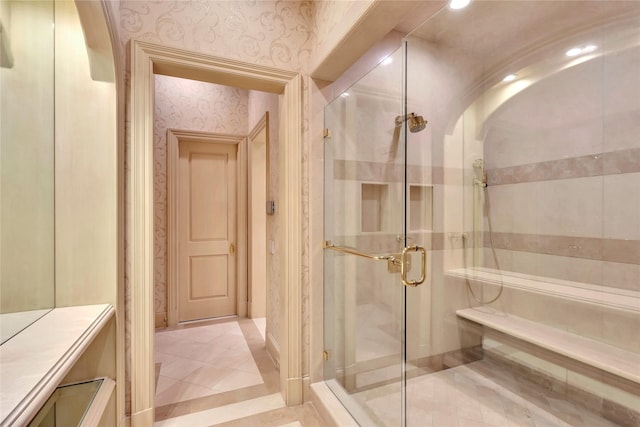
(482, 221)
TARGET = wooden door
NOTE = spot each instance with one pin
(207, 193)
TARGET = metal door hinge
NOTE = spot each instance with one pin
(325, 355)
(232, 249)
(326, 133)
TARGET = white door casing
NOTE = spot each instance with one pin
(147, 59)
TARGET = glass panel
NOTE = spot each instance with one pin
(26, 163)
(68, 405)
(533, 157)
(364, 198)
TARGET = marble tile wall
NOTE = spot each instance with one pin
(583, 228)
(608, 163)
(563, 189)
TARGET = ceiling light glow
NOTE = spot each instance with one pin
(510, 78)
(344, 94)
(575, 51)
(386, 61)
(459, 4)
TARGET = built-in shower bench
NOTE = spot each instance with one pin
(541, 296)
(622, 363)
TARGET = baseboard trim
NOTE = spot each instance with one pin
(273, 349)
(160, 320)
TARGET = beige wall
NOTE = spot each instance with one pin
(27, 156)
(259, 102)
(85, 165)
(86, 172)
(82, 138)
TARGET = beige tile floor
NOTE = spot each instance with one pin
(485, 393)
(219, 373)
(480, 394)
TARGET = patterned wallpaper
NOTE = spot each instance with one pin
(282, 34)
(186, 105)
(275, 33)
(326, 16)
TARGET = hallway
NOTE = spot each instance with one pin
(218, 373)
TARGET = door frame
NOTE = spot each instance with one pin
(174, 138)
(147, 59)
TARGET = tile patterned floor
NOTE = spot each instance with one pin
(480, 394)
(219, 373)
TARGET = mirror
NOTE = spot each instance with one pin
(27, 134)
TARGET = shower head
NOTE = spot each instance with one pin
(416, 123)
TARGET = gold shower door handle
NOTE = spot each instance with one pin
(405, 262)
(395, 262)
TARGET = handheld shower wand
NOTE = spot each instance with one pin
(480, 174)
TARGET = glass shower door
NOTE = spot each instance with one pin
(366, 257)
(519, 189)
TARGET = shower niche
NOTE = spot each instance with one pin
(420, 207)
(374, 206)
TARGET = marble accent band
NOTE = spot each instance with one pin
(355, 170)
(610, 250)
(608, 163)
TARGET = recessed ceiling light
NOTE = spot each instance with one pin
(344, 94)
(459, 4)
(386, 61)
(575, 51)
(510, 78)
